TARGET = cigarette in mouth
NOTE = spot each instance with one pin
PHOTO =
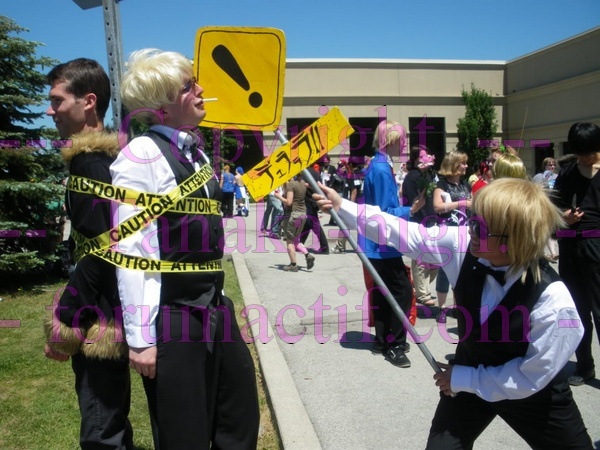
(206, 100)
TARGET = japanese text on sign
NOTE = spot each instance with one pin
(298, 154)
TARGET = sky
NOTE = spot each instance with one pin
(498, 30)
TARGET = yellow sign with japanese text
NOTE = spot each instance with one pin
(244, 68)
(299, 153)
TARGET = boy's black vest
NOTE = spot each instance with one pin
(189, 238)
(505, 334)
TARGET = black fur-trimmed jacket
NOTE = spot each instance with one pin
(87, 317)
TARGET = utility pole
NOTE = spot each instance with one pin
(114, 49)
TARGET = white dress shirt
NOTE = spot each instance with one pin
(141, 166)
(555, 327)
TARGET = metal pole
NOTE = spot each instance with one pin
(376, 278)
(114, 51)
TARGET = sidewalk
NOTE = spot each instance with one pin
(326, 388)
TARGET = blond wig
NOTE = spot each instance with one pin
(389, 132)
(154, 78)
(509, 166)
(522, 210)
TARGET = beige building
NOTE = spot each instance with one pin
(537, 96)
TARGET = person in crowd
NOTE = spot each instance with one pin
(330, 177)
(551, 252)
(228, 188)
(273, 215)
(351, 190)
(547, 175)
(380, 190)
(486, 175)
(241, 195)
(476, 175)
(326, 170)
(400, 177)
(181, 329)
(577, 195)
(312, 223)
(336, 180)
(509, 165)
(294, 201)
(79, 97)
(504, 291)
(452, 204)
(420, 175)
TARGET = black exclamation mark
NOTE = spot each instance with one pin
(225, 60)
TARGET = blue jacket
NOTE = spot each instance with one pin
(228, 182)
(380, 190)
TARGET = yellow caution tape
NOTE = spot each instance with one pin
(157, 266)
(107, 191)
(156, 208)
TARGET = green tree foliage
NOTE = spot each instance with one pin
(31, 192)
(478, 124)
(223, 146)
(22, 86)
(31, 202)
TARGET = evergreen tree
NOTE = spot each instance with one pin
(22, 85)
(31, 192)
(31, 209)
(478, 125)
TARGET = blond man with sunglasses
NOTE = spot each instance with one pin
(181, 329)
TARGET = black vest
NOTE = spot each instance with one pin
(505, 333)
(189, 238)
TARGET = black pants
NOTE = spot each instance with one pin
(205, 395)
(103, 390)
(549, 419)
(579, 267)
(312, 224)
(227, 204)
(388, 326)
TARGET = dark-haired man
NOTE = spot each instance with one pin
(79, 97)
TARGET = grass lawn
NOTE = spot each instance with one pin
(38, 406)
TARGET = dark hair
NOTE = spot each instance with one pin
(584, 138)
(413, 156)
(84, 76)
(564, 160)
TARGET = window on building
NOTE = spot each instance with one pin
(296, 125)
(361, 141)
(431, 132)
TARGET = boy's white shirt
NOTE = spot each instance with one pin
(551, 345)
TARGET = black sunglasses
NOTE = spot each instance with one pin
(475, 229)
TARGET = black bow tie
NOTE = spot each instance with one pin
(499, 275)
(194, 152)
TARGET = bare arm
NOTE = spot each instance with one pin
(288, 200)
(441, 207)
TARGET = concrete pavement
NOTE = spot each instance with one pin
(326, 388)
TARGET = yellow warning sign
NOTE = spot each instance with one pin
(299, 153)
(244, 68)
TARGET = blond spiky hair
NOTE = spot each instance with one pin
(153, 79)
(522, 210)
